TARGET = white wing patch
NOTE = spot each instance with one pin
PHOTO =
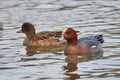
(94, 46)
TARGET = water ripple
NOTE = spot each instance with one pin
(89, 17)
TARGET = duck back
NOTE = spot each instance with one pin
(93, 43)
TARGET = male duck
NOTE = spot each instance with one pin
(46, 38)
(85, 45)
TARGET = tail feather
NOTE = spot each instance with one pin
(99, 38)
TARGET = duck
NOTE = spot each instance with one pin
(82, 46)
(45, 38)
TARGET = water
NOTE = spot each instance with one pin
(18, 62)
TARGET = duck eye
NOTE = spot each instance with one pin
(67, 32)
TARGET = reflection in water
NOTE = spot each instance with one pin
(31, 50)
(73, 60)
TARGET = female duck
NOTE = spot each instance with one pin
(47, 38)
(85, 45)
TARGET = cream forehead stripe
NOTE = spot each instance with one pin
(63, 32)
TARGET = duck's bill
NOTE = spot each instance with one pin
(77, 31)
(19, 31)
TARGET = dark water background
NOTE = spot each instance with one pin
(89, 17)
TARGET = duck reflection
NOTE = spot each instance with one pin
(32, 50)
(73, 60)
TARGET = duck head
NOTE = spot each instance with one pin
(28, 29)
(70, 35)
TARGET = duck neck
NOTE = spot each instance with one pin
(30, 35)
(71, 42)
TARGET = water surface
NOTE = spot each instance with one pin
(18, 62)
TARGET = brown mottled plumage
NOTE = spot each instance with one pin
(46, 38)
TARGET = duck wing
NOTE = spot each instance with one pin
(93, 43)
(48, 35)
(94, 39)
